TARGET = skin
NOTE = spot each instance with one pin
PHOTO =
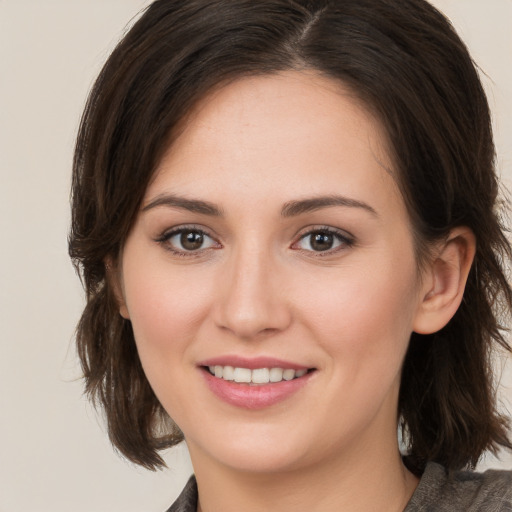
(256, 287)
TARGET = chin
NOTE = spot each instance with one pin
(257, 453)
(261, 462)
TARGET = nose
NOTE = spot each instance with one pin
(252, 297)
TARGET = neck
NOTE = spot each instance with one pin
(359, 481)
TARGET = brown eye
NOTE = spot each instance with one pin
(185, 241)
(323, 240)
(191, 240)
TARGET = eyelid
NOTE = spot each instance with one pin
(346, 238)
(169, 233)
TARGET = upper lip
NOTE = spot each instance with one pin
(252, 363)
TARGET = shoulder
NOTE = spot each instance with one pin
(462, 490)
(187, 500)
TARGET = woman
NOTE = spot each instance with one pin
(284, 213)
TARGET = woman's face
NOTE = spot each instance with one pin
(273, 238)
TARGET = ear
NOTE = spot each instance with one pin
(445, 280)
(114, 278)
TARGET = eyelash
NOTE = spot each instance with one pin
(165, 238)
(344, 239)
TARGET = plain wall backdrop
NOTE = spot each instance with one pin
(54, 452)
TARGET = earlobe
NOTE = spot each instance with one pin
(123, 311)
(445, 281)
(115, 282)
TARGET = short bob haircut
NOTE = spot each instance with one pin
(404, 61)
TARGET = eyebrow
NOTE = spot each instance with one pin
(192, 205)
(292, 208)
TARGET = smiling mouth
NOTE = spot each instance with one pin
(256, 376)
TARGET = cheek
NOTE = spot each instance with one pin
(364, 314)
(166, 311)
(363, 324)
(166, 308)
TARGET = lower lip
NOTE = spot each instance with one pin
(254, 396)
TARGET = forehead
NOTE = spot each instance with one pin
(285, 130)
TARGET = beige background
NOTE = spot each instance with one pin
(54, 453)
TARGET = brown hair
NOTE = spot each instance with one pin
(406, 63)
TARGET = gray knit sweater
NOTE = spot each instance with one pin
(463, 491)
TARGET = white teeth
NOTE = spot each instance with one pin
(242, 375)
(228, 373)
(288, 374)
(276, 375)
(260, 376)
(256, 376)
